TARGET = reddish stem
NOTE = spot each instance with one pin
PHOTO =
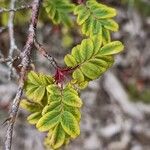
(62, 73)
(78, 1)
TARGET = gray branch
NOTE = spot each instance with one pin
(13, 45)
(25, 64)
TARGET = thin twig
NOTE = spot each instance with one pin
(8, 59)
(4, 60)
(13, 45)
(42, 50)
(25, 64)
(11, 29)
(2, 10)
(2, 29)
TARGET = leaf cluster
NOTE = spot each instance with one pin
(91, 60)
(96, 19)
(54, 105)
(52, 108)
(58, 11)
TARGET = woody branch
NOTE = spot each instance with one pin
(25, 64)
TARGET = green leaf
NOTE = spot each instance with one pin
(80, 85)
(110, 24)
(54, 90)
(70, 124)
(92, 65)
(61, 100)
(71, 89)
(71, 99)
(57, 137)
(61, 116)
(34, 117)
(58, 11)
(68, 96)
(34, 78)
(76, 53)
(101, 11)
(35, 86)
(70, 60)
(86, 49)
(106, 36)
(54, 105)
(111, 48)
(97, 42)
(78, 75)
(93, 17)
(90, 70)
(39, 94)
(74, 111)
(30, 106)
(83, 14)
(48, 121)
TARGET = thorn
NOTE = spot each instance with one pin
(5, 121)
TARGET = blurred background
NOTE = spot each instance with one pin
(116, 111)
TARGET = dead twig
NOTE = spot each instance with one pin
(4, 60)
(25, 64)
(2, 10)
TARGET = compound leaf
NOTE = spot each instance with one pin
(93, 17)
(35, 86)
(94, 64)
(58, 11)
(101, 11)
